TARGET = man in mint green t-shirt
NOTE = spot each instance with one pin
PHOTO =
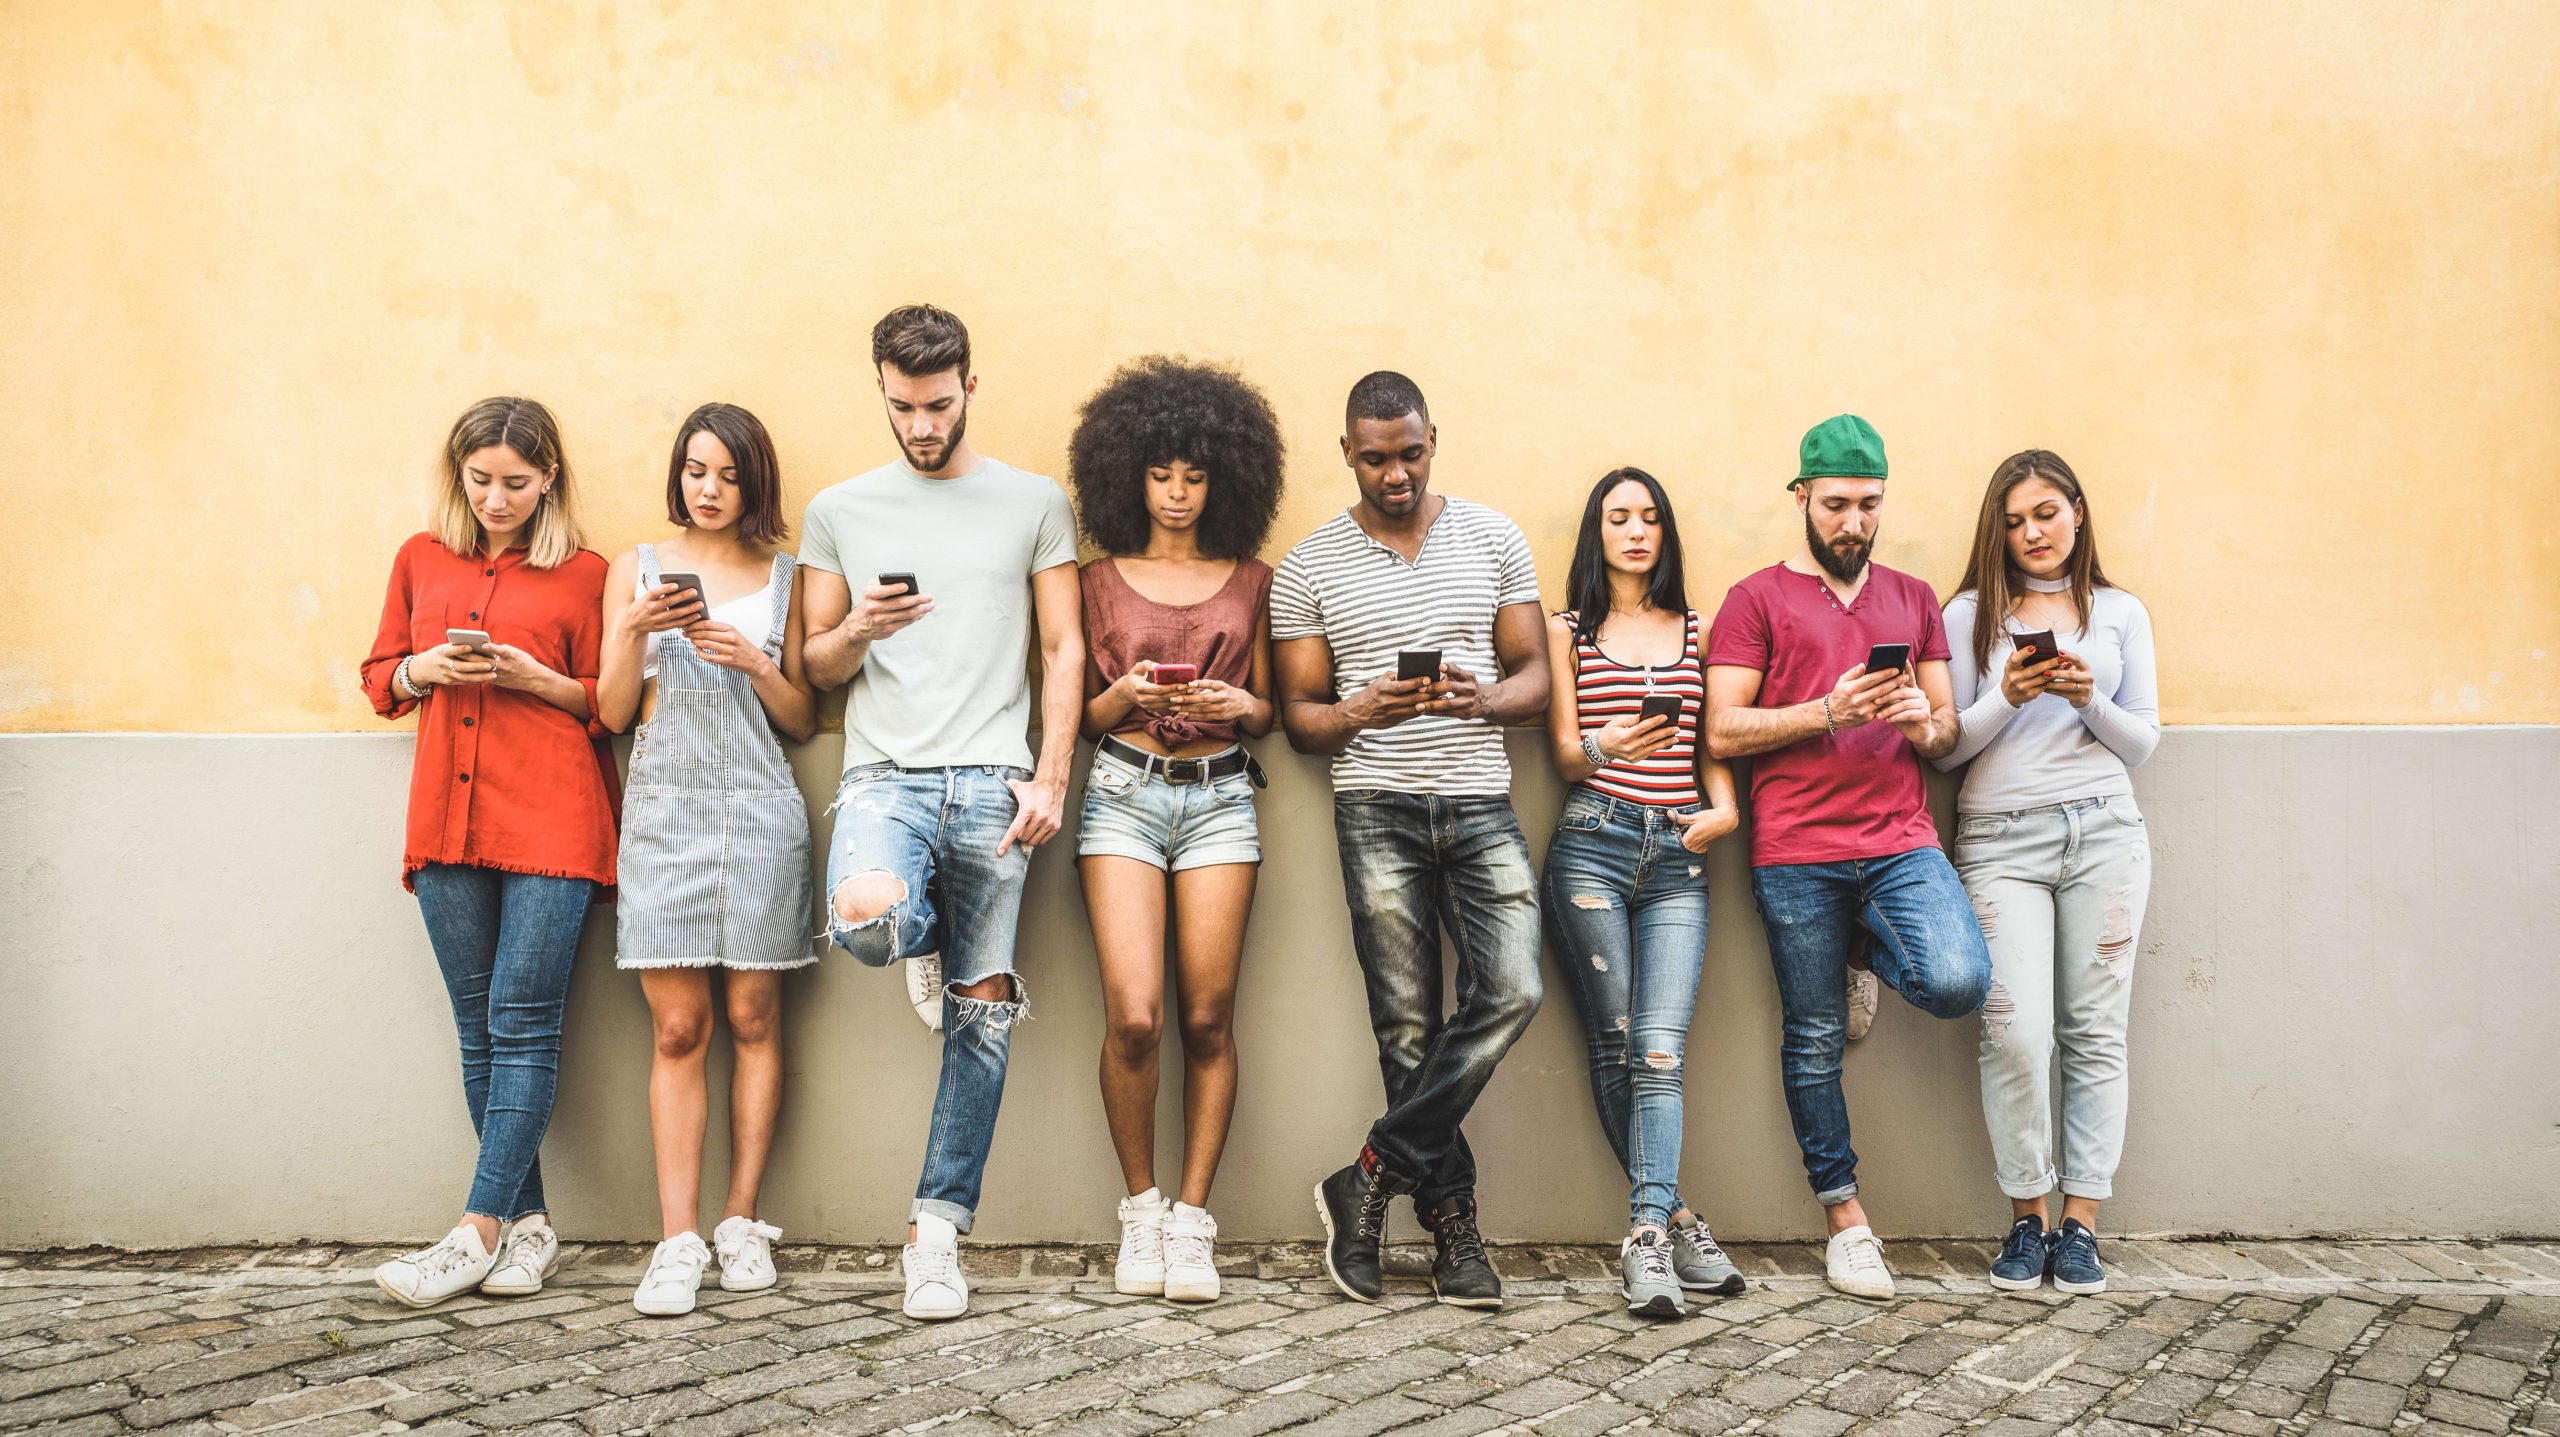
(941, 801)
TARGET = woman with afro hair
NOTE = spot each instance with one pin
(1176, 472)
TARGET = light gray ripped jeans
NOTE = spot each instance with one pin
(2059, 891)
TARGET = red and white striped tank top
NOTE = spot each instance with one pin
(1604, 690)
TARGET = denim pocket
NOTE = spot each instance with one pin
(1110, 780)
(690, 728)
(1360, 795)
(2121, 808)
(1979, 827)
(1581, 816)
(1235, 788)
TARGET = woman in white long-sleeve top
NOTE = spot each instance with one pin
(2055, 682)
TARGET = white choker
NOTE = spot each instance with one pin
(2045, 586)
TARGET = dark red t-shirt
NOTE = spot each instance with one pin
(1835, 797)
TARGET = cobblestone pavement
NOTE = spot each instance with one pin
(2325, 1340)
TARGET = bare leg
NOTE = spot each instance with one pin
(1126, 899)
(2082, 1210)
(1210, 908)
(679, 1100)
(1844, 1216)
(755, 1085)
(2029, 1207)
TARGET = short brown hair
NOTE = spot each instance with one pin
(759, 472)
(527, 428)
(921, 340)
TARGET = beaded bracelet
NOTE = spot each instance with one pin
(1591, 750)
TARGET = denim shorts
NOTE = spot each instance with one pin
(1130, 813)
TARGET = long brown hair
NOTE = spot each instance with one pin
(1988, 574)
(527, 428)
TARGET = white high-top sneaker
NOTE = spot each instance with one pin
(528, 1253)
(1140, 1268)
(675, 1274)
(935, 1288)
(746, 1253)
(1190, 1255)
(924, 988)
(1855, 1263)
(428, 1276)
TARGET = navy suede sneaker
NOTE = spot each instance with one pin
(2023, 1256)
(2075, 1260)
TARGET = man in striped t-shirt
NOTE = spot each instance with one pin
(1422, 811)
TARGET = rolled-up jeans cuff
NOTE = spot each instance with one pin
(2094, 1189)
(1833, 1197)
(950, 1212)
(2024, 1191)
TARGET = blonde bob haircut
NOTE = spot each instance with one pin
(524, 426)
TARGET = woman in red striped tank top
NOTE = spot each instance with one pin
(1626, 881)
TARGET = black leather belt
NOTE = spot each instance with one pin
(1186, 770)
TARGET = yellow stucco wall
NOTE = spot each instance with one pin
(2283, 282)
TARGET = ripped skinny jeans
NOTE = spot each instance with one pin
(935, 831)
(2059, 892)
(1626, 910)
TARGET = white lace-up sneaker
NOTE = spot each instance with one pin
(1190, 1255)
(1139, 1271)
(1855, 1263)
(1865, 994)
(935, 1288)
(924, 988)
(674, 1276)
(528, 1253)
(428, 1276)
(746, 1253)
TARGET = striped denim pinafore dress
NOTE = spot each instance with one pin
(715, 836)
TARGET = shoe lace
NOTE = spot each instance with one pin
(1140, 1230)
(1864, 1252)
(1653, 1261)
(739, 1241)
(1460, 1241)
(673, 1261)
(1694, 1232)
(1187, 1249)
(442, 1258)
(2080, 1242)
(932, 1264)
(1373, 1205)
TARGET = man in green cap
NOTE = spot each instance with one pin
(1843, 850)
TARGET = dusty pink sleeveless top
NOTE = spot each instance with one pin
(1123, 627)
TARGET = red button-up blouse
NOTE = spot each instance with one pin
(502, 779)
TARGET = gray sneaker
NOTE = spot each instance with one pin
(1701, 1264)
(1644, 1268)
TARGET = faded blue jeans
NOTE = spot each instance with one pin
(1409, 863)
(1926, 948)
(935, 830)
(506, 943)
(1627, 906)
(2059, 891)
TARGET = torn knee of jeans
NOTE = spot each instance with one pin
(874, 901)
(1622, 1025)
(1998, 1007)
(1662, 1062)
(1986, 912)
(1596, 902)
(2115, 937)
(997, 1015)
(1599, 964)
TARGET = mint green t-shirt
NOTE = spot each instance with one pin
(952, 689)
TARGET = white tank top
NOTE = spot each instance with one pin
(749, 614)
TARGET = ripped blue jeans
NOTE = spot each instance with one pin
(935, 831)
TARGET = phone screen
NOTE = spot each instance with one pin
(1418, 664)
(1888, 656)
(2038, 646)
(1661, 706)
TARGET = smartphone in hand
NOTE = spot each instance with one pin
(467, 638)
(1418, 664)
(684, 582)
(2038, 646)
(1661, 706)
(903, 582)
(1888, 656)
(1170, 674)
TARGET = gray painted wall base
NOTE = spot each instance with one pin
(225, 1024)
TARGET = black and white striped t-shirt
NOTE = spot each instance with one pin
(1366, 602)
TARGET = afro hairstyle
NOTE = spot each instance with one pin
(1161, 408)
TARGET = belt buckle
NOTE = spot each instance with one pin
(1185, 770)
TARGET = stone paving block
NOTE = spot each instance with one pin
(197, 1401)
(1465, 1422)
(1121, 1423)
(1930, 1353)
(1362, 1380)
(1960, 1396)
(2057, 1402)
(2484, 1376)
(646, 1411)
(64, 1405)
(1808, 1420)
(98, 1425)
(1704, 1415)
(1267, 1415)
(1766, 1391)
(1532, 1399)
(889, 1413)
(1911, 1424)
(1188, 1399)
(1059, 1399)
(1587, 1419)
(1365, 1419)
(104, 1367)
(310, 1402)
(2266, 1401)
(1869, 1393)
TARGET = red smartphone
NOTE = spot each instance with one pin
(1169, 674)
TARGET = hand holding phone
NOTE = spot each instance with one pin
(1884, 657)
(901, 581)
(1170, 674)
(1662, 706)
(2037, 646)
(886, 607)
(1418, 664)
(467, 639)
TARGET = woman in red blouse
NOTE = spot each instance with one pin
(492, 630)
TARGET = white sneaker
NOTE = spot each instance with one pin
(935, 1288)
(1190, 1260)
(1855, 1263)
(1864, 995)
(674, 1276)
(924, 988)
(428, 1276)
(746, 1253)
(528, 1252)
(1139, 1271)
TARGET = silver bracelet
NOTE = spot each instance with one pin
(1827, 726)
(1591, 750)
(416, 689)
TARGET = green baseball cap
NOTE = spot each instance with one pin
(1840, 447)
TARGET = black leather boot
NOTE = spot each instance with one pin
(1353, 1206)
(1460, 1272)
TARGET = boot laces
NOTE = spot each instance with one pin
(1459, 1237)
(1373, 1205)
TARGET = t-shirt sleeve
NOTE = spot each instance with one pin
(1296, 611)
(1054, 541)
(1516, 573)
(1740, 635)
(1933, 626)
(818, 538)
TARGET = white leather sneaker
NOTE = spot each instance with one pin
(1190, 1255)
(428, 1276)
(924, 988)
(1139, 1271)
(528, 1252)
(674, 1276)
(1855, 1263)
(935, 1288)
(746, 1253)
